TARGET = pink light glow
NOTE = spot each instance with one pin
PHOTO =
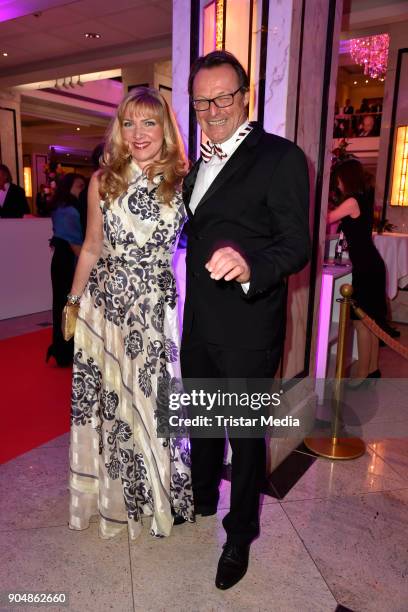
(326, 294)
(11, 9)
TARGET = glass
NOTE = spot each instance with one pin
(220, 101)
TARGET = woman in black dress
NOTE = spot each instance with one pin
(356, 215)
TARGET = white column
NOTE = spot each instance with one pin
(284, 97)
(10, 135)
(181, 64)
(281, 66)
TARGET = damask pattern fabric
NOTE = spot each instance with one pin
(126, 361)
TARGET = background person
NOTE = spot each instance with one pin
(367, 127)
(364, 106)
(42, 201)
(348, 109)
(356, 214)
(13, 201)
(66, 241)
(376, 107)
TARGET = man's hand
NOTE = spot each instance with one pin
(228, 264)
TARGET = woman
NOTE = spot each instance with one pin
(126, 339)
(356, 214)
(66, 241)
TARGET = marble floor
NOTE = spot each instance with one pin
(335, 540)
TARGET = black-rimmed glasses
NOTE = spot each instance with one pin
(220, 101)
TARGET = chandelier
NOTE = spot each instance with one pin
(219, 24)
(372, 53)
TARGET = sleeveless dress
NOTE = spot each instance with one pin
(369, 276)
(126, 361)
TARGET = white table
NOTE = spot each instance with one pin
(393, 248)
(25, 260)
(329, 314)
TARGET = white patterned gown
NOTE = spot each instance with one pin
(126, 361)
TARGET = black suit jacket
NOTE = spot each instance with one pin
(259, 205)
(15, 205)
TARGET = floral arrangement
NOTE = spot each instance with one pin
(340, 153)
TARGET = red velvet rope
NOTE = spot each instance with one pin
(380, 333)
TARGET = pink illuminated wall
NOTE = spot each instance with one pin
(209, 28)
(237, 30)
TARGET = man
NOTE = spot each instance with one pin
(368, 126)
(376, 108)
(42, 201)
(13, 201)
(247, 199)
(348, 109)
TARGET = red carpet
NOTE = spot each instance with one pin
(35, 396)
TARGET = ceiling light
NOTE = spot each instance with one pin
(355, 82)
(78, 129)
(90, 76)
(366, 80)
(92, 35)
(68, 154)
(5, 54)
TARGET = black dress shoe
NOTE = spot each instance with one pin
(232, 566)
(358, 383)
(62, 362)
(205, 510)
(374, 374)
(50, 353)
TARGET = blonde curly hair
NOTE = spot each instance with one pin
(172, 166)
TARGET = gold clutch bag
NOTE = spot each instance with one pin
(69, 319)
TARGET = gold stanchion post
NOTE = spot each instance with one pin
(337, 447)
